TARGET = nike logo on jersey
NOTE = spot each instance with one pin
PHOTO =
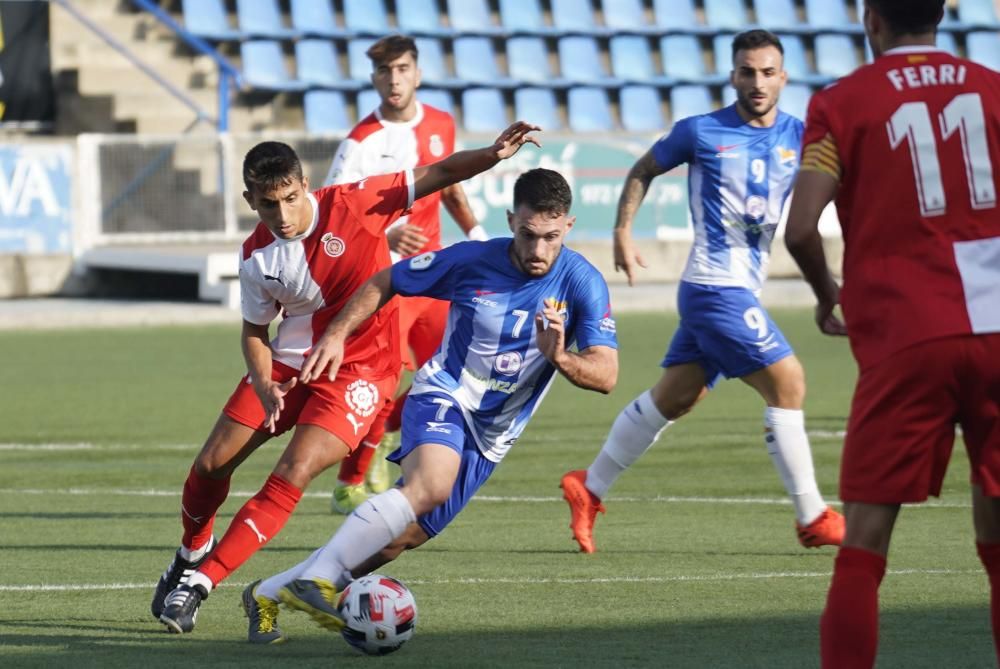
(249, 523)
(728, 147)
(485, 292)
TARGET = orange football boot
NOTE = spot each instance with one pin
(583, 506)
(826, 530)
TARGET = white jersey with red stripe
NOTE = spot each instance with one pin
(309, 278)
(377, 146)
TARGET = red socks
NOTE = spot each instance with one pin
(849, 626)
(202, 497)
(989, 554)
(256, 523)
(355, 465)
(395, 419)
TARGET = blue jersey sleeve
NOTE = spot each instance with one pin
(678, 146)
(595, 325)
(431, 274)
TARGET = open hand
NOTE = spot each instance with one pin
(327, 354)
(272, 398)
(513, 138)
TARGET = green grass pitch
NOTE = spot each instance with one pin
(697, 564)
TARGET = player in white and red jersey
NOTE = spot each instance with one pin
(908, 147)
(309, 253)
(401, 133)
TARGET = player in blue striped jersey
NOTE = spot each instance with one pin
(517, 306)
(742, 163)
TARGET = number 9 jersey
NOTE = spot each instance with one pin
(921, 246)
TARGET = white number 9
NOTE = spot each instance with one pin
(756, 320)
(759, 170)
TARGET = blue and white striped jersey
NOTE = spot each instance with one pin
(489, 362)
(738, 180)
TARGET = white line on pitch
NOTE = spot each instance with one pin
(692, 578)
(517, 499)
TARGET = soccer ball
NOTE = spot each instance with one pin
(379, 613)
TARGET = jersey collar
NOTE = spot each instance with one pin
(912, 48)
(417, 118)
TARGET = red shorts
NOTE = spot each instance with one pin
(345, 407)
(902, 425)
(422, 322)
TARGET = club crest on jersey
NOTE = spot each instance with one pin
(508, 363)
(436, 146)
(361, 397)
(334, 246)
(787, 156)
(756, 206)
(559, 305)
(422, 261)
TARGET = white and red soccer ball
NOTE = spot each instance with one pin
(380, 614)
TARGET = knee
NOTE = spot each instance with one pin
(674, 405)
(208, 467)
(790, 391)
(425, 497)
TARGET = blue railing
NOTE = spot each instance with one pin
(229, 76)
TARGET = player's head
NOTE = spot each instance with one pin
(888, 21)
(758, 73)
(540, 220)
(395, 74)
(276, 189)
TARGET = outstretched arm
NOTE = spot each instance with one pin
(813, 191)
(328, 352)
(467, 164)
(636, 185)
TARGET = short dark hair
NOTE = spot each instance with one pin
(391, 47)
(544, 191)
(756, 39)
(909, 17)
(271, 165)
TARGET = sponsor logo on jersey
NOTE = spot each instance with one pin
(361, 397)
(334, 246)
(787, 156)
(498, 385)
(756, 206)
(726, 151)
(436, 146)
(422, 261)
(437, 427)
(608, 325)
(508, 363)
(479, 299)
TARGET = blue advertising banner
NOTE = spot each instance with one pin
(596, 171)
(36, 198)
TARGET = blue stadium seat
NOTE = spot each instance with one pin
(483, 110)
(728, 95)
(366, 17)
(632, 60)
(835, 55)
(677, 15)
(208, 19)
(315, 17)
(419, 17)
(640, 109)
(777, 15)
(794, 100)
(262, 18)
(359, 67)
(367, 101)
(727, 14)
(589, 110)
(796, 64)
(471, 17)
(316, 64)
(433, 69)
(689, 100)
(264, 67)
(830, 15)
(574, 16)
(437, 98)
(524, 17)
(625, 16)
(978, 14)
(538, 106)
(580, 61)
(682, 59)
(722, 53)
(946, 42)
(476, 63)
(325, 112)
(984, 48)
(528, 61)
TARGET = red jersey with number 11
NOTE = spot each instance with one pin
(914, 140)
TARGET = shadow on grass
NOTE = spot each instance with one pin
(958, 638)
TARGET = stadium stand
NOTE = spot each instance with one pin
(315, 18)
(689, 100)
(208, 19)
(325, 112)
(483, 110)
(528, 62)
(471, 17)
(476, 63)
(420, 17)
(632, 61)
(264, 67)
(777, 15)
(318, 65)
(524, 17)
(640, 109)
(262, 18)
(366, 17)
(575, 17)
(580, 62)
(589, 109)
(539, 105)
(726, 14)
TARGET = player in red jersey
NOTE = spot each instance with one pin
(401, 133)
(309, 253)
(908, 148)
